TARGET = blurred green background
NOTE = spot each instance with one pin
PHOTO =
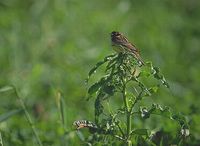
(49, 46)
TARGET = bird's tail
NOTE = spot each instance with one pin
(137, 56)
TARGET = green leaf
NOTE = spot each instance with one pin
(153, 89)
(5, 116)
(109, 89)
(146, 71)
(95, 67)
(156, 109)
(140, 132)
(156, 73)
(144, 88)
(94, 88)
(61, 107)
(144, 74)
(111, 63)
(6, 88)
(93, 70)
(180, 119)
(80, 135)
(98, 106)
(164, 82)
(165, 112)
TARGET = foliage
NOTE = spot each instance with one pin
(124, 77)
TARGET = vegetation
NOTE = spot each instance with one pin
(48, 47)
(126, 78)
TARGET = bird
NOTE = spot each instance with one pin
(121, 44)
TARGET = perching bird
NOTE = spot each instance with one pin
(121, 44)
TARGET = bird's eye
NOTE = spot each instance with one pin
(113, 33)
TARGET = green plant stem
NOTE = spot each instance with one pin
(128, 128)
(128, 116)
(125, 99)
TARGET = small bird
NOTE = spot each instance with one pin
(121, 44)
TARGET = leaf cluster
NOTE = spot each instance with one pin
(125, 77)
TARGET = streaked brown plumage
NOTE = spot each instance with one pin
(121, 44)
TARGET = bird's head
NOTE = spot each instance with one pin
(114, 33)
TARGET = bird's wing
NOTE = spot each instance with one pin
(129, 45)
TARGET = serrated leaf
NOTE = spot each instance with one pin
(165, 112)
(156, 109)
